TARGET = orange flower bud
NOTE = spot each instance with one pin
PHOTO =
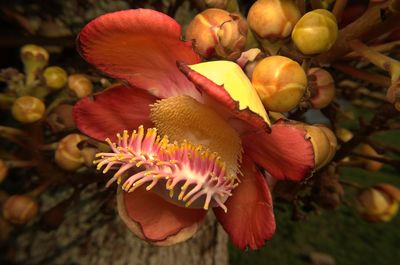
(28, 109)
(273, 19)
(20, 209)
(280, 82)
(67, 155)
(80, 85)
(370, 165)
(217, 32)
(3, 170)
(377, 205)
(34, 58)
(322, 87)
(344, 134)
(324, 144)
(315, 32)
(55, 77)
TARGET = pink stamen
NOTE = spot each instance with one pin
(198, 171)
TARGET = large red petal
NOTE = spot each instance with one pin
(112, 111)
(285, 153)
(156, 220)
(142, 47)
(250, 219)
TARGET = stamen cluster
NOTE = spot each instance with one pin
(197, 171)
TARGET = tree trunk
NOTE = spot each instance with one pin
(92, 234)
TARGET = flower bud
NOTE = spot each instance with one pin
(280, 83)
(344, 134)
(80, 85)
(3, 170)
(55, 77)
(322, 87)
(370, 165)
(376, 205)
(28, 109)
(61, 118)
(34, 58)
(273, 19)
(217, 32)
(324, 144)
(67, 155)
(315, 32)
(20, 209)
(393, 94)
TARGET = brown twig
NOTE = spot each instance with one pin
(363, 75)
(338, 8)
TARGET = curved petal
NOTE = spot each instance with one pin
(250, 219)
(140, 46)
(230, 91)
(285, 153)
(155, 220)
(112, 111)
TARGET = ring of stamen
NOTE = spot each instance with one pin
(199, 172)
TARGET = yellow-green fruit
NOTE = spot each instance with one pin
(273, 19)
(20, 209)
(80, 85)
(315, 32)
(55, 77)
(67, 155)
(28, 109)
(280, 83)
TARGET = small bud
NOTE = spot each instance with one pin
(34, 58)
(324, 144)
(217, 32)
(370, 165)
(3, 170)
(393, 94)
(327, 191)
(376, 205)
(67, 155)
(315, 32)
(80, 85)
(280, 83)
(28, 109)
(273, 19)
(344, 134)
(20, 209)
(55, 77)
(61, 118)
(322, 87)
(249, 59)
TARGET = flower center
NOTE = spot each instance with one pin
(200, 174)
(183, 118)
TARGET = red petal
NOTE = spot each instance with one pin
(222, 99)
(285, 153)
(112, 111)
(250, 219)
(142, 47)
(154, 219)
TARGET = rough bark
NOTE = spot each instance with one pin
(92, 234)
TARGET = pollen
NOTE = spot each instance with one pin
(184, 118)
(190, 175)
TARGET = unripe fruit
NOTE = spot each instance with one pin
(80, 85)
(67, 155)
(322, 87)
(28, 109)
(20, 209)
(217, 32)
(55, 77)
(280, 83)
(34, 58)
(315, 32)
(273, 19)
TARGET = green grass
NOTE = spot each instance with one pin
(339, 233)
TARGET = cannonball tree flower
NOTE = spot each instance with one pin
(185, 136)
